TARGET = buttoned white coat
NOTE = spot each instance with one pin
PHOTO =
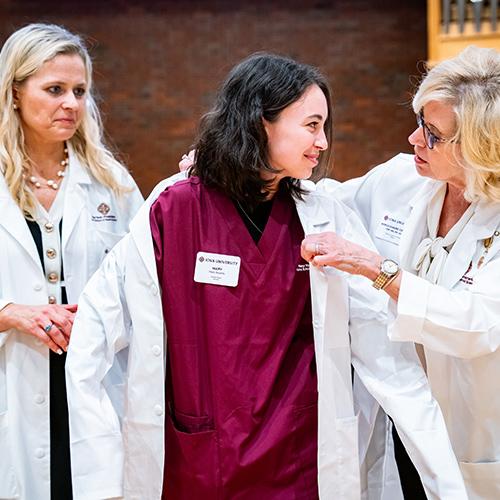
(24, 361)
(116, 371)
(457, 320)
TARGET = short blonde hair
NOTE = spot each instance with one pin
(22, 55)
(470, 82)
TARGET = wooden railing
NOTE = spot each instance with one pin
(454, 24)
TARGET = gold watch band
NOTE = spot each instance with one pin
(380, 281)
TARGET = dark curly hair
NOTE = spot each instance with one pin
(232, 145)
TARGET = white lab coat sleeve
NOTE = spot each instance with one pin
(460, 323)
(100, 331)
(393, 375)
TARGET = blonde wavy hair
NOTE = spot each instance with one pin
(22, 55)
(470, 82)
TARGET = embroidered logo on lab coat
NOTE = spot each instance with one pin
(302, 268)
(105, 215)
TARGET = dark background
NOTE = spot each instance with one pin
(158, 63)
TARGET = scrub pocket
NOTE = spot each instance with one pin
(305, 448)
(191, 463)
(482, 479)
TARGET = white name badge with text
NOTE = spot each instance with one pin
(390, 228)
(217, 269)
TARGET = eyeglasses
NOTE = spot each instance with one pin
(430, 138)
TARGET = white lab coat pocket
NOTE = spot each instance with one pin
(482, 479)
(8, 482)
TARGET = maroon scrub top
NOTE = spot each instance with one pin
(241, 374)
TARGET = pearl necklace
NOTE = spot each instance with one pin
(54, 184)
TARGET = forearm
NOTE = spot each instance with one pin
(4, 318)
(365, 263)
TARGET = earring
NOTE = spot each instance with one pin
(15, 106)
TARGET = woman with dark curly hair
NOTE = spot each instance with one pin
(223, 368)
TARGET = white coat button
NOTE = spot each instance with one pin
(156, 349)
(39, 453)
(158, 410)
(37, 287)
(49, 227)
(53, 277)
(39, 399)
(154, 289)
(51, 253)
(52, 299)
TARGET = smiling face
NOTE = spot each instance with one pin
(51, 102)
(297, 137)
(439, 163)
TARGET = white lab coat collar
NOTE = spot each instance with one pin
(415, 228)
(482, 225)
(309, 210)
(14, 223)
(140, 229)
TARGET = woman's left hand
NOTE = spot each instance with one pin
(330, 249)
(187, 161)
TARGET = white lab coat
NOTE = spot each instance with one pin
(117, 445)
(24, 361)
(457, 320)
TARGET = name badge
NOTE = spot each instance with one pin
(217, 269)
(390, 229)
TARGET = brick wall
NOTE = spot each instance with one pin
(158, 63)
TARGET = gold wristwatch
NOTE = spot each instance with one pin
(389, 269)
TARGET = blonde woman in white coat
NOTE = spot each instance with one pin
(443, 230)
(64, 202)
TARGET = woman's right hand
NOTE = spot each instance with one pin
(36, 321)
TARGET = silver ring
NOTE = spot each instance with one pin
(47, 328)
(316, 249)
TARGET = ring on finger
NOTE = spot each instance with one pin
(317, 249)
(48, 327)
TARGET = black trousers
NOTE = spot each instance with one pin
(60, 466)
(410, 480)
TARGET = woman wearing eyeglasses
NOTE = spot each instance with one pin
(435, 219)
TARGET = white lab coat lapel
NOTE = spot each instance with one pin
(14, 223)
(75, 198)
(338, 465)
(314, 220)
(415, 229)
(482, 225)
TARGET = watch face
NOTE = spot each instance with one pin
(389, 267)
